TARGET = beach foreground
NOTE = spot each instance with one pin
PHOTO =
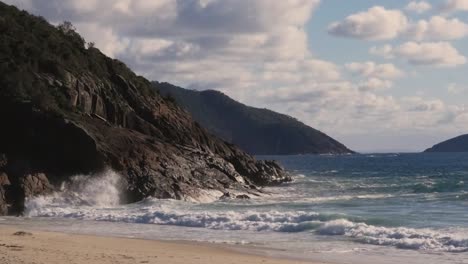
(18, 246)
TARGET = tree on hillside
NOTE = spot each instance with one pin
(67, 28)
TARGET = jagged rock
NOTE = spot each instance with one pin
(35, 184)
(71, 110)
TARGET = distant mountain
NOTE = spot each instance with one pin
(257, 131)
(458, 144)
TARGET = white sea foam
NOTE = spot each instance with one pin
(344, 198)
(97, 198)
(83, 190)
(176, 214)
(401, 237)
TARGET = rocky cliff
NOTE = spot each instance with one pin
(67, 109)
(257, 131)
(458, 144)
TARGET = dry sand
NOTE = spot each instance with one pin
(33, 247)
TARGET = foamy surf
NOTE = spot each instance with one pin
(176, 213)
(82, 190)
(374, 208)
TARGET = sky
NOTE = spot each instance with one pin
(379, 76)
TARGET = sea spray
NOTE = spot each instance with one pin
(101, 190)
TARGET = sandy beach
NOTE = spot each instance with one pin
(19, 246)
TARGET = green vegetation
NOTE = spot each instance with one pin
(29, 45)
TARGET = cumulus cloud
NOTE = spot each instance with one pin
(373, 84)
(418, 7)
(372, 69)
(440, 54)
(418, 104)
(377, 23)
(454, 5)
(437, 28)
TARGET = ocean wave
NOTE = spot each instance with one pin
(165, 213)
(81, 190)
(97, 199)
(401, 237)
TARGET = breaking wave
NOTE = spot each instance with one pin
(82, 190)
(400, 237)
(289, 209)
(171, 213)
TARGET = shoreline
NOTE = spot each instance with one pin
(41, 247)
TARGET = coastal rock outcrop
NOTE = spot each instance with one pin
(71, 110)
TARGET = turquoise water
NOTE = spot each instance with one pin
(376, 208)
(411, 190)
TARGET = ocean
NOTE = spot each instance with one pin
(362, 208)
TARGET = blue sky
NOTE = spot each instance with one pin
(423, 81)
(427, 80)
(377, 75)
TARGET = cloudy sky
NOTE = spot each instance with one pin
(377, 75)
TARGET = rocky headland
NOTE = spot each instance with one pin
(67, 109)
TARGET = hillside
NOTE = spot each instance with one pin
(257, 131)
(67, 109)
(458, 144)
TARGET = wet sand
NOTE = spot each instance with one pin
(18, 246)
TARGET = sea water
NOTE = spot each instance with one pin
(363, 208)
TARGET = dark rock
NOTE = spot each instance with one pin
(22, 233)
(35, 184)
(68, 110)
(3, 160)
(4, 182)
(243, 197)
(227, 196)
(257, 131)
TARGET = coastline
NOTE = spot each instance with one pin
(54, 247)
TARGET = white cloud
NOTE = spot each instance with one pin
(377, 23)
(437, 28)
(373, 84)
(440, 54)
(418, 7)
(418, 104)
(454, 5)
(456, 89)
(385, 51)
(372, 69)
